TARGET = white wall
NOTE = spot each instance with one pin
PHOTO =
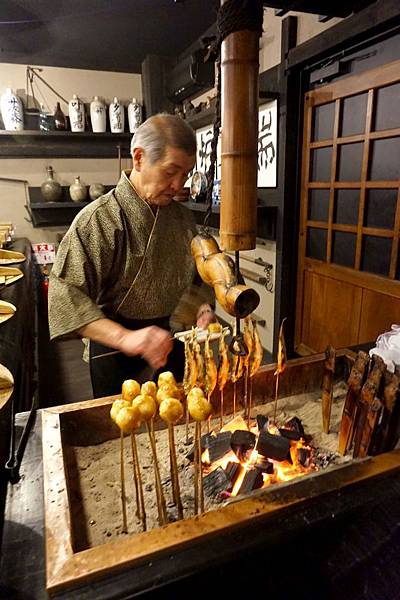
(67, 82)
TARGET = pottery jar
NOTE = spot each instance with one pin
(11, 111)
(96, 190)
(134, 115)
(51, 189)
(76, 111)
(98, 115)
(78, 191)
(117, 117)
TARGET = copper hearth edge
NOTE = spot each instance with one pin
(66, 569)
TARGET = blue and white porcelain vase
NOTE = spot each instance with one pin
(134, 115)
(117, 117)
(11, 111)
(98, 115)
(76, 111)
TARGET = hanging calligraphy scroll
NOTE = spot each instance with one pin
(267, 146)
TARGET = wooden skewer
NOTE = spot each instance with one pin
(199, 466)
(246, 396)
(276, 394)
(221, 421)
(250, 391)
(162, 510)
(138, 482)
(187, 423)
(123, 498)
(174, 471)
(196, 469)
(234, 399)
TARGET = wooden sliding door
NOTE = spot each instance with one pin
(348, 288)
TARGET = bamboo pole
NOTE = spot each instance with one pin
(239, 109)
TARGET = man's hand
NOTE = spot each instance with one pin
(205, 316)
(151, 343)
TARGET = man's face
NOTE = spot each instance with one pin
(161, 181)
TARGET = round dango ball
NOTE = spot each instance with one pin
(167, 391)
(199, 408)
(128, 419)
(116, 407)
(149, 388)
(171, 410)
(146, 406)
(195, 392)
(166, 378)
(130, 389)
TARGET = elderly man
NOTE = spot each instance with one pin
(125, 262)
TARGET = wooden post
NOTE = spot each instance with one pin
(239, 119)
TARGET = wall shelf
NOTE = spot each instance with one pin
(54, 214)
(63, 144)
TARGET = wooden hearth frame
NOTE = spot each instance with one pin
(67, 569)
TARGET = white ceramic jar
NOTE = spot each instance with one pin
(76, 111)
(98, 115)
(134, 115)
(117, 117)
(11, 111)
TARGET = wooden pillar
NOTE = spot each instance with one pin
(239, 116)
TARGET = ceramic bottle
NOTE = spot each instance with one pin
(134, 115)
(51, 189)
(60, 123)
(76, 111)
(11, 111)
(98, 115)
(117, 117)
(96, 190)
(78, 191)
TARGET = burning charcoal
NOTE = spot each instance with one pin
(219, 445)
(216, 482)
(204, 445)
(295, 425)
(253, 480)
(276, 447)
(304, 456)
(290, 434)
(242, 443)
(261, 422)
(265, 466)
(232, 471)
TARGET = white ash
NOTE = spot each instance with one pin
(99, 467)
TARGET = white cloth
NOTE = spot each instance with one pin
(388, 348)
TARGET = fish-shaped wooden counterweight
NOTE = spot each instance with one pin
(355, 382)
(327, 387)
(370, 406)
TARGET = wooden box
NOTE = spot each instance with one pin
(189, 541)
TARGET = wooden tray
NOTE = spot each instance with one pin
(89, 422)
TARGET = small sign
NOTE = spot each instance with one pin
(45, 254)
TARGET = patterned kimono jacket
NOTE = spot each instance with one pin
(120, 260)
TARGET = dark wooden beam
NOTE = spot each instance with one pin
(286, 230)
(372, 20)
(154, 84)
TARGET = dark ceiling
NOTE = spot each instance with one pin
(112, 35)
(116, 35)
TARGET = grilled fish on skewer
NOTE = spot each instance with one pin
(198, 359)
(257, 354)
(223, 370)
(211, 369)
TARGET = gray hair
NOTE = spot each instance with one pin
(160, 131)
